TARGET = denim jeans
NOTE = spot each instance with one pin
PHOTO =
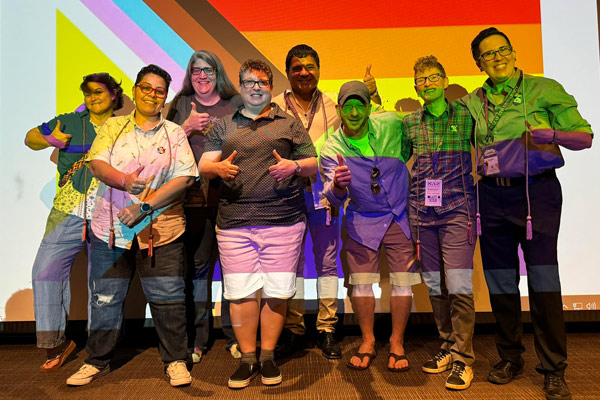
(201, 254)
(162, 281)
(51, 276)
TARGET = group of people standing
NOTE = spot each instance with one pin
(239, 171)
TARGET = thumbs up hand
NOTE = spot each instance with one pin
(342, 177)
(369, 80)
(226, 170)
(133, 184)
(283, 169)
(58, 138)
(196, 121)
(542, 133)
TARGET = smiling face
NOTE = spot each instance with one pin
(98, 98)
(500, 68)
(354, 115)
(149, 104)
(431, 91)
(255, 97)
(303, 75)
(202, 82)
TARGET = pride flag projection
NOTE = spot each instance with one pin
(48, 46)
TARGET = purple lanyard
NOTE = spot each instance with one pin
(435, 155)
(313, 109)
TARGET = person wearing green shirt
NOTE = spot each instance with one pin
(521, 121)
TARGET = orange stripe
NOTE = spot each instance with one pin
(344, 54)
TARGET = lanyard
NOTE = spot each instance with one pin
(507, 100)
(313, 109)
(435, 155)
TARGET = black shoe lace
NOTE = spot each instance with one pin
(440, 355)
(457, 368)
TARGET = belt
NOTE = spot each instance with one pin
(519, 181)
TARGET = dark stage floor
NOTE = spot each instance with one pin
(138, 374)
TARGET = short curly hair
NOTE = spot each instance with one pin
(110, 83)
(426, 62)
(256, 65)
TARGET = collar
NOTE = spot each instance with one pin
(315, 95)
(275, 112)
(131, 118)
(370, 134)
(512, 82)
(425, 110)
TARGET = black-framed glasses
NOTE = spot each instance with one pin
(261, 84)
(375, 173)
(148, 89)
(207, 71)
(432, 78)
(503, 51)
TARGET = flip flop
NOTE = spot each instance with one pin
(61, 357)
(396, 358)
(361, 356)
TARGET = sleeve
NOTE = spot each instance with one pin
(174, 113)
(185, 163)
(302, 144)
(103, 142)
(65, 121)
(328, 163)
(214, 141)
(562, 110)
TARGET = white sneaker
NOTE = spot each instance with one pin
(178, 374)
(85, 375)
(235, 351)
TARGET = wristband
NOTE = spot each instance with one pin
(55, 142)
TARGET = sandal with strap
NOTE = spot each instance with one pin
(396, 358)
(371, 357)
(61, 356)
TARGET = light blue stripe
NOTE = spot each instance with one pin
(432, 280)
(543, 278)
(501, 281)
(157, 30)
(459, 281)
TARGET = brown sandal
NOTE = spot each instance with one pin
(60, 356)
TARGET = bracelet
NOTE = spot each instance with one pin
(123, 181)
(375, 93)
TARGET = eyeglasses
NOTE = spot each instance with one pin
(503, 51)
(375, 188)
(261, 84)
(348, 107)
(148, 89)
(432, 78)
(207, 71)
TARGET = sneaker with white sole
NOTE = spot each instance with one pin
(85, 375)
(461, 376)
(235, 352)
(441, 362)
(243, 375)
(196, 355)
(178, 373)
(270, 374)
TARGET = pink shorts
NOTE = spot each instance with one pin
(260, 257)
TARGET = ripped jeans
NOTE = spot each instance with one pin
(162, 281)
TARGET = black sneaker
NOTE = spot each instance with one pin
(270, 374)
(243, 375)
(441, 362)
(461, 376)
(329, 346)
(555, 387)
(504, 372)
(288, 344)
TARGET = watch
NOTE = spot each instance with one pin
(145, 208)
(298, 168)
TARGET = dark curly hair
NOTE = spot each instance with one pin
(110, 83)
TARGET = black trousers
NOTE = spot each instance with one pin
(503, 219)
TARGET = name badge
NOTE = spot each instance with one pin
(433, 192)
(491, 166)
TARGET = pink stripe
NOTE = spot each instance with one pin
(135, 38)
